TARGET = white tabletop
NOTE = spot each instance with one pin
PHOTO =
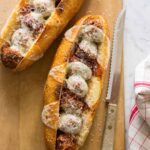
(136, 44)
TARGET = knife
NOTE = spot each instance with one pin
(114, 83)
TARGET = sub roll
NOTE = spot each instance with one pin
(31, 29)
(75, 82)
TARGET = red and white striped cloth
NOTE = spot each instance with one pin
(139, 123)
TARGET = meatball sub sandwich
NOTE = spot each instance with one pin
(75, 83)
(32, 27)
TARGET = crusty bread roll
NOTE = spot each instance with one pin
(31, 29)
(74, 85)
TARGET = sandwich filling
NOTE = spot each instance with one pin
(30, 23)
(82, 66)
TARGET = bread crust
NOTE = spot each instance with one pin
(63, 13)
(52, 83)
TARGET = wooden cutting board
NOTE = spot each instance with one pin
(120, 127)
(21, 93)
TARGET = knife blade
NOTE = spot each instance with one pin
(114, 83)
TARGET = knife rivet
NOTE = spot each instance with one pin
(109, 127)
(112, 110)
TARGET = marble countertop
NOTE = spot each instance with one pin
(136, 44)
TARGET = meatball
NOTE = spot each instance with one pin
(92, 33)
(21, 40)
(77, 85)
(81, 69)
(89, 47)
(66, 142)
(32, 21)
(10, 58)
(69, 123)
(45, 7)
(71, 104)
(85, 58)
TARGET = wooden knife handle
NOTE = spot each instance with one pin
(109, 133)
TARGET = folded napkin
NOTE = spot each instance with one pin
(139, 123)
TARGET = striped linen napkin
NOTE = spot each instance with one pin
(139, 123)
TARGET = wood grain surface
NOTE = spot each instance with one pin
(120, 125)
(21, 93)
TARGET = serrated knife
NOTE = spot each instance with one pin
(114, 83)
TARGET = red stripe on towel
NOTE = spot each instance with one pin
(133, 113)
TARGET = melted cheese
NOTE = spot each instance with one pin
(94, 92)
(92, 33)
(77, 85)
(88, 47)
(45, 7)
(50, 115)
(21, 40)
(102, 53)
(78, 68)
(69, 123)
(70, 34)
(34, 19)
(58, 73)
(86, 125)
